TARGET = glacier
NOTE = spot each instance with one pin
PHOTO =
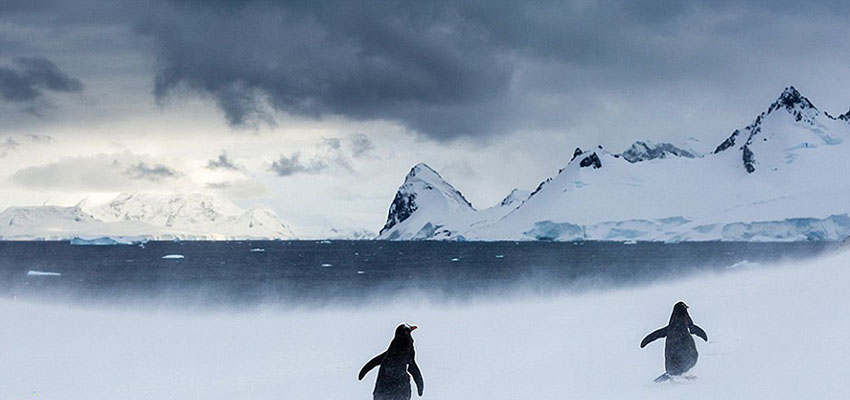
(777, 179)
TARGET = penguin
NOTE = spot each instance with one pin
(680, 350)
(396, 363)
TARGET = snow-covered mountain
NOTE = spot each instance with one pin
(140, 216)
(17, 221)
(792, 124)
(428, 207)
(424, 197)
(778, 179)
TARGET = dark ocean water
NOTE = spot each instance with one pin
(318, 273)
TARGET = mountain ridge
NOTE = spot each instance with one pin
(760, 177)
(190, 216)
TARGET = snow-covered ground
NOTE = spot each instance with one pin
(776, 332)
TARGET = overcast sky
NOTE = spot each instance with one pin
(319, 108)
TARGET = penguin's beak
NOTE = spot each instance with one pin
(413, 328)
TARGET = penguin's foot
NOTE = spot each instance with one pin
(674, 378)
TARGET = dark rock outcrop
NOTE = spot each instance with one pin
(591, 161)
(643, 151)
(403, 206)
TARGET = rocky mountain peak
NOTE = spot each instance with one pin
(591, 161)
(804, 114)
(576, 153)
(586, 159)
(421, 181)
(645, 151)
(790, 99)
(423, 172)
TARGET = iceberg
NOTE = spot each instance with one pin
(106, 241)
(549, 231)
(101, 241)
(42, 273)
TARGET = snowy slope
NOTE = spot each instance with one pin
(59, 223)
(177, 210)
(150, 216)
(774, 333)
(780, 178)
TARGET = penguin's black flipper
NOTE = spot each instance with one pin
(417, 376)
(371, 364)
(658, 334)
(663, 378)
(695, 330)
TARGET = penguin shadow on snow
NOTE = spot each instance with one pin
(680, 350)
(396, 366)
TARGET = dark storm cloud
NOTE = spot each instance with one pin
(27, 80)
(288, 166)
(151, 172)
(222, 162)
(447, 69)
(329, 152)
(361, 145)
(420, 64)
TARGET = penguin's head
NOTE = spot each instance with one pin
(680, 311)
(404, 330)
